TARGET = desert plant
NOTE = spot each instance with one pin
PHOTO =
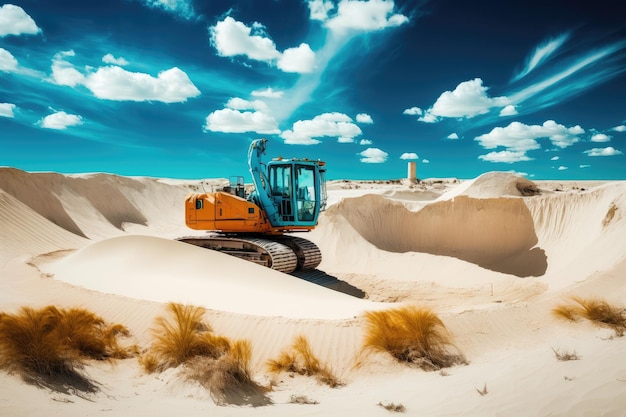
(228, 377)
(395, 408)
(180, 337)
(413, 335)
(301, 399)
(299, 358)
(483, 391)
(565, 356)
(596, 310)
(47, 346)
(215, 362)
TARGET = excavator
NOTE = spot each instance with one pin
(288, 196)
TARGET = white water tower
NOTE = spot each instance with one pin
(411, 175)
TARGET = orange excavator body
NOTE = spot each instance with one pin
(230, 213)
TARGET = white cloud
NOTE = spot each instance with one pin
(518, 173)
(237, 103)
(242, 116)
(600, 137)
(6, 110)
(555, 158)
(562, 168)
(364, 118)
(468, 99)
(453, 136)
(319, 9)
(300, 60)
(373, 156)
(110, 59)
(182, 8)
(409, 155)
(233, 38)
(363, 16)
(584, 166)
(115, 83)
(425, 161)
(509, 110)
(609, 151)
(542, 53)
(429, 118)
(508, 157)
(8, 63)
(63, 72)
(365, 142)
(620, 128)
(413, 111)
(234, 121)
(267, 93)
(60, 121)
(339, 125)
(15, 21)
(518, 138)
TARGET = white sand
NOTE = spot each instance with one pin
(490, 262)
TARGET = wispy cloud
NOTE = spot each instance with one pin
(181, 8)
(559, 73)
(542, 53)
(567, 79)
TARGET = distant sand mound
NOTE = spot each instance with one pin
(494, 185)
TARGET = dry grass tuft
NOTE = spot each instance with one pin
(483, 391)
(217, 363)
(301, 399)
(48, 346)
(180, 337)
(395, 408)
(527, 187)
(595, 310)
(300, 359)
(565, 355)
(413, 335)
(228, 378)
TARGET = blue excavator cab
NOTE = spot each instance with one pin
(292, 192)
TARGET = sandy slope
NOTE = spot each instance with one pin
(491, 262)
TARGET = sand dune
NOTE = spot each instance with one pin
(491, 261)
(164, 270)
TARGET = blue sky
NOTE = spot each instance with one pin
(179, 88)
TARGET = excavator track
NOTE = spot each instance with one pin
(308, 254)
(283, 253)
